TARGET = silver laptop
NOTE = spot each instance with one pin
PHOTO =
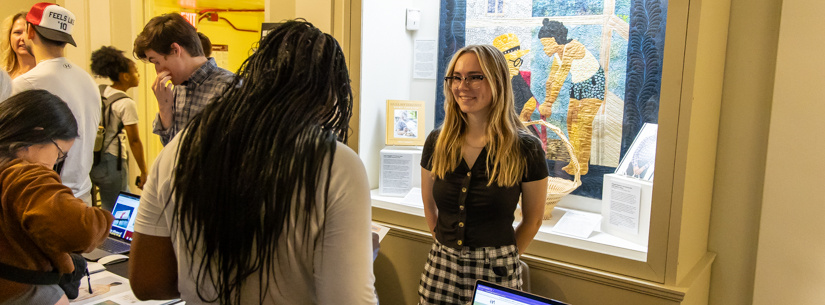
(488, 293)
(120, 235)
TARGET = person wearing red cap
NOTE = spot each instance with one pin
(48, 30)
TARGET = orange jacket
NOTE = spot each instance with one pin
(41, 222)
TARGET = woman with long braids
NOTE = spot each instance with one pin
(475, 167)
(258, 201)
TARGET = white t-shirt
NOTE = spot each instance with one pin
(75, 87)
(5, 85)
(337, 269)
(123, 110)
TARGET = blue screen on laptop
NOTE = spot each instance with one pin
(124, 212)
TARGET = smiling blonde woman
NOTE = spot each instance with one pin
(474, 170)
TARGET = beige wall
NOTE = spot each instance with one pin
(10, 7)
(740, 161)
(790, 261)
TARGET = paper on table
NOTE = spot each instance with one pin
(109, 289)
(413, 198)
(380, 230)
(576, 224)
(95, 267)
(129, 297)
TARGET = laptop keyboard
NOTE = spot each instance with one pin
(114, 246)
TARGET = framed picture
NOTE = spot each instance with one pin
(640, 159)
(405, 123)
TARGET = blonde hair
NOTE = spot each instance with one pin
(503, 127)
(9, 63)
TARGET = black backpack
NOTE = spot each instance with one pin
(105, 118)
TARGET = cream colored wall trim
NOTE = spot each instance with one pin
(665, 292)
(704, 61)
(669, 293)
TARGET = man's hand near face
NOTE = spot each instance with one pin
(163, 92)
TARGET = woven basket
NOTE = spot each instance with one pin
(558, 187)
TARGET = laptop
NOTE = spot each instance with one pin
(488, 293)
(120, 236)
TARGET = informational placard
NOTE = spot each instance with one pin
(624, 203)
(424, 59)
(221, 54)
(400, 171)
(626, 207)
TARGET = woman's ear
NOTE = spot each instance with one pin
(124, 77)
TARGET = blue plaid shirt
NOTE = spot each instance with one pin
(205, 84)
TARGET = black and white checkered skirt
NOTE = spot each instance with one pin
(450, 274)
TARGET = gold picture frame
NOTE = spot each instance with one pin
(405, 123)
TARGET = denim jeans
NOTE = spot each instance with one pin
(109, 180)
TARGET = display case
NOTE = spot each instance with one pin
(675, 257)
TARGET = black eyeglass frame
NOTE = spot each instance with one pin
(61, 156)
(450, 80)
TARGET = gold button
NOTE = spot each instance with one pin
(464, 189)
(461, 207)
(459, 243)
(468, 174)
(461, 224)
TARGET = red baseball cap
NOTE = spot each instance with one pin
(52, 21)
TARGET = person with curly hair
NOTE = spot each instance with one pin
(110, 174)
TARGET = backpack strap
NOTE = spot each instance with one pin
(106, 112)
(30, 277)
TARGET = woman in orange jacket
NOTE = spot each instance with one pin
(41, 222)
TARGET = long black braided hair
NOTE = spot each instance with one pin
(245, 159)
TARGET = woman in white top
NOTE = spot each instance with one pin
(110, 170)
(257, 201)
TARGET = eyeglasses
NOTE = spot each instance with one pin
(473, 81)
(61, 155)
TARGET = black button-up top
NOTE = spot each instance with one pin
(472, 214)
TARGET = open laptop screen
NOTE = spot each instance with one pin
(487, 293)
(124, 211)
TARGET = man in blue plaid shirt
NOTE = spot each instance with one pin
(172, 44)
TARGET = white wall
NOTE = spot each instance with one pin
(790, 261)
(386, 70)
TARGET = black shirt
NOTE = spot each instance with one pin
(472, 214)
